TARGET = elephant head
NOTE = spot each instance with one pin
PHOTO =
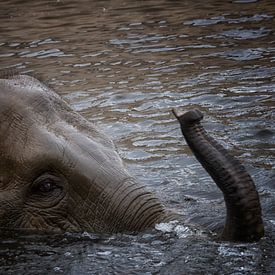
(58, 172)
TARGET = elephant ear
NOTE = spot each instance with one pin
(243, 210)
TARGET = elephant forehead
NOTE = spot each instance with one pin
(37, 126)
(61, 146)
(26, 107)
(26, 101)
(27, 98)
(23, 131)
(30, 148)
(20, 126)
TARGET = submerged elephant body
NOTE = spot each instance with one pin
(58, 172)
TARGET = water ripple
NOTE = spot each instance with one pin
(223, 19)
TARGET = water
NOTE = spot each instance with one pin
(124, 65)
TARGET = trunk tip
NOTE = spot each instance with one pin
(188, 117)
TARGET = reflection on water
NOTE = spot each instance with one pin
(124, 65)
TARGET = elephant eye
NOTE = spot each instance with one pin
(46, 184)
(46, 190)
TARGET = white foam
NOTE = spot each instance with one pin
(174, 226)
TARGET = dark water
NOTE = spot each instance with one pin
(124, 65)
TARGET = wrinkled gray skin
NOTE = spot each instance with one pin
(58, 172)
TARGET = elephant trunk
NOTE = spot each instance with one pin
(136, 209)
(244, 219)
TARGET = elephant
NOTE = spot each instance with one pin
(60, 173)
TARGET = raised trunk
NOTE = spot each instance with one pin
(244, 219)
